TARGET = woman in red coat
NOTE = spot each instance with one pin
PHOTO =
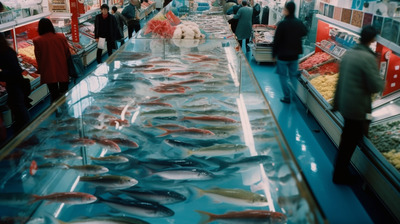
(52, 51)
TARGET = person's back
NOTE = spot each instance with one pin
(51, 50)
(288, 38)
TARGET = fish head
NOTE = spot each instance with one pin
(278, 217)
(128, 181)
(90, 198)
(103, 169)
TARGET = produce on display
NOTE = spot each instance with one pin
(326, 69)
(263, 34)
(326, 85)
(314, 60)
(160, 28)
(386, 138)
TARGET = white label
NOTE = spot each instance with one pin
(395, 76)
(396, 67)
(393, 84)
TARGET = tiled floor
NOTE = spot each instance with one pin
(315, 153)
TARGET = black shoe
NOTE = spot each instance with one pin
(285, 100)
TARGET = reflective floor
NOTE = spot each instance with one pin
(315, 154)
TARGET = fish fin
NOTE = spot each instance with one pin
(205, 217)
(149, 124)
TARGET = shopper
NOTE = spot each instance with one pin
(52, 51)
(287, 48)
(358, 80)
(120, 22)
(131, 13)
(105, 26)
(11, 74)
(244, 27)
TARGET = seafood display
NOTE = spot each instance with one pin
(157, 136)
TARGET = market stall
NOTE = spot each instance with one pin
(156, 133)
(377, 159)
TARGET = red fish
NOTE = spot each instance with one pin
(114, 122)
(67, 197)
(108, 144)
(140, 66)
(117, 110)
(183, 73)
(187, 131)
(156, 70)
(156, 103)
(249, 216)
(81, 142)
(211, 119)
(206, 60)
(197, 55)
(189, 82)
(125, 142)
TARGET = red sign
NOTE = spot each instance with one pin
(74, 20)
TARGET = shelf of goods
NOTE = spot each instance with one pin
(378, 159)
(263, 37)
(158, 133)
(19, 33)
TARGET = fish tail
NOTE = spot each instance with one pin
(35, 198)
(167, 132)
(205, 217)
(149, 124)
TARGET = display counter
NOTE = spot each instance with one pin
(263, 38)
(377, 158)
(171, 129)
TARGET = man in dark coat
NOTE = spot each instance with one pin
(132, 19)
(358, 80)
(287, 48)
(120, 21)
(105, 26)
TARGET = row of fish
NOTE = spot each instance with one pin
(161, 131)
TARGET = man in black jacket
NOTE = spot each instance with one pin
(287, 47)
(105, 26)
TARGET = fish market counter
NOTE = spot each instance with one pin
(158, 134)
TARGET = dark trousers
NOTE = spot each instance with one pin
(110, 46)
(133, 25)
(17, 103)
(57, 89)
(352, 134)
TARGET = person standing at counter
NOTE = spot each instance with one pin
(244, 26)
(132, 16)
(51, 52)
(287, 48)
(120, 22)
(11, 74)
(106, 27)
(358, 80)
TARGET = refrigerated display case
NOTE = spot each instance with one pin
(263, 38)
(183, 126)
(377, 159)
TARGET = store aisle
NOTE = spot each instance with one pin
(314, 152)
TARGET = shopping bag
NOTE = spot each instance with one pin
(101, 44)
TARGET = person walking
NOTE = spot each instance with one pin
(52, 52)
(244, 26)
(131, 13)
(120, 22)
(11, 74)
(105, 26)
(358, 80)
(287, 47)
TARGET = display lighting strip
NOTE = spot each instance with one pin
(229, 54)
(249, 140)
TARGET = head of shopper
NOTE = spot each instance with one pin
(114, 9)
(104, 9)
(368, 35)
(289, 9)
(45, 26)
(244, 3)
(4, 45)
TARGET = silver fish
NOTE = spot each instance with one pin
(110, 181)
(154, 195)
(185, 173)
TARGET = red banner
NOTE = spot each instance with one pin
(73, 4)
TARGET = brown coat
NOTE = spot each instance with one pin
(51, 51)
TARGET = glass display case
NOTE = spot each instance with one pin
(159, 133)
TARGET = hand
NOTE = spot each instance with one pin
(97, 39)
